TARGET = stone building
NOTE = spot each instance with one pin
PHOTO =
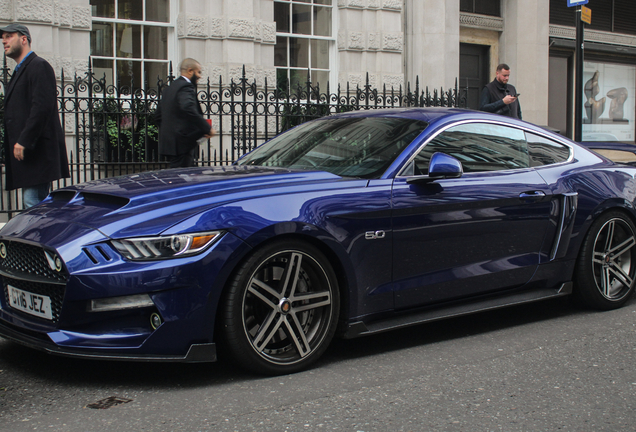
(340, 41)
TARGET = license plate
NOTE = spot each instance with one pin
(34, 304)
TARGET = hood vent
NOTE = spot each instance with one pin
(111, 202)
(63, 195)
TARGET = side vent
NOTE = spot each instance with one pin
(104, 253)
(90, 256)
(97, 254)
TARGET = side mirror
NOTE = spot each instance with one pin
(441, 166)
(444, 166)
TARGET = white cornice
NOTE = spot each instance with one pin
(565, 32)
(483, 22)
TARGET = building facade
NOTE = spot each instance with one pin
(393, 43)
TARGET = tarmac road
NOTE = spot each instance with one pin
(544, 367)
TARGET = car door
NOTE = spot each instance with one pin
(480, 233)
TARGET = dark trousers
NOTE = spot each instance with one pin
(184, 160)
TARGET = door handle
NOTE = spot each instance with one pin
(532, 195)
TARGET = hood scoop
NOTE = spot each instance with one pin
(111, 202)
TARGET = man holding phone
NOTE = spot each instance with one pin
(499, 97)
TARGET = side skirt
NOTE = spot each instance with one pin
(360, 328)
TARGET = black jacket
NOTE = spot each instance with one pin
(31, 119)
(180, 119)
(492, 99)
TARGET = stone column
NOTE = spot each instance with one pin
(524, 46)
(370, 41)
(225, 35)
(432, 42)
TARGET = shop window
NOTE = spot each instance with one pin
(608, 101)
(129, 41)
(304, 42)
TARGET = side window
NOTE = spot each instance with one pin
(544, 151)
(479, 147)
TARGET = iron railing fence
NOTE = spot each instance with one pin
(111, 130)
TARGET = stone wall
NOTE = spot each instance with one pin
(371, 40)
(60, 30)
(432, 42)
(225, 35)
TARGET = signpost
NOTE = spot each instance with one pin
(581, 17)
(586, 15)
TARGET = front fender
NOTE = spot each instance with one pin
(335, 221)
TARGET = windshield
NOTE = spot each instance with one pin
(348, 147)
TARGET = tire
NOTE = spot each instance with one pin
(281, 309)
(606, 267)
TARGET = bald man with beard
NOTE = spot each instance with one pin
(180, 119)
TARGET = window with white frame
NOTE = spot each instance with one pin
(129, 41)
(304, 42)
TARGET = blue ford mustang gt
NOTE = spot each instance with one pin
(348, 225)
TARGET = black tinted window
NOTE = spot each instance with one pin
(479, 147)
(544, 151)
(484, 7)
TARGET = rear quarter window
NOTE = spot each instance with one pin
(544, 151)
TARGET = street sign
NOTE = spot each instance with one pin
(586, 14)
(572, 3)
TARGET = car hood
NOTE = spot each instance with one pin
(149, 203)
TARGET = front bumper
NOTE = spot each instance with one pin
(184, 293)
(197, 353)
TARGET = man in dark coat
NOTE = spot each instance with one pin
(180, 119)
(34, 147)
(499, 97)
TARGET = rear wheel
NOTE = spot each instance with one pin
(281, 309)
(606, 267)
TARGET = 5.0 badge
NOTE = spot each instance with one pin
(374, 235)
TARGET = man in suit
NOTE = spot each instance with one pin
(499, 97)
(180, 119)
(34, 146)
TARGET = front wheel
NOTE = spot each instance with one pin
(606, 267)
(281, 308)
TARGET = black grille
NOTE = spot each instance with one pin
(29, 260)
(54, 291)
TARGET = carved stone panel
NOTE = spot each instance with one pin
(35, 11)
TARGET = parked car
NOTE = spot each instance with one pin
(345, 226)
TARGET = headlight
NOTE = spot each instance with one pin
(164, 247)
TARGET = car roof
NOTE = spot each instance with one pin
(428, 114)
(434, 115)
(439, 116)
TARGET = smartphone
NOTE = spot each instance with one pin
(517, 95)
